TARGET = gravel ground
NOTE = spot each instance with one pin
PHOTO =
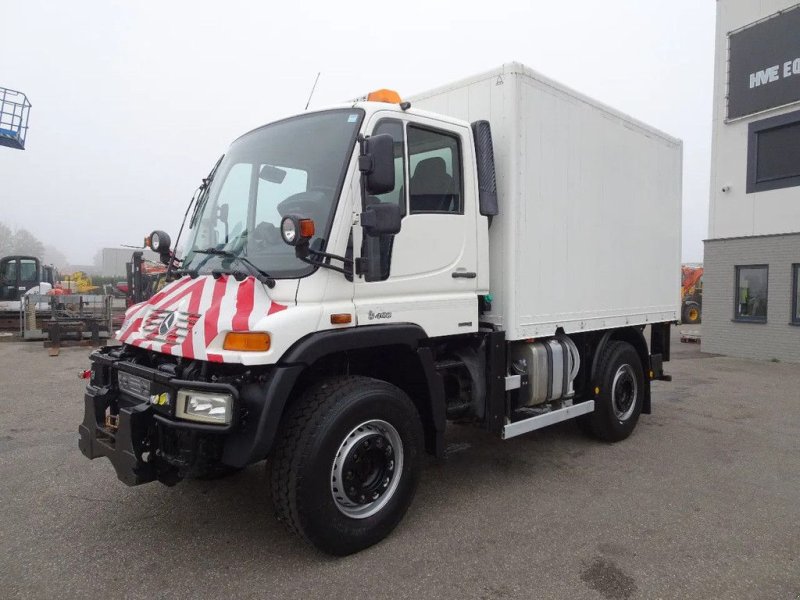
(703, 501)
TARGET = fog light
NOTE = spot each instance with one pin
(204, 407)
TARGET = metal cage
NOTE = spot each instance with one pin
(14, 112)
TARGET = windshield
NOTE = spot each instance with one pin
(296, 166)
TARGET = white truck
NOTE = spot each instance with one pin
(491, 252)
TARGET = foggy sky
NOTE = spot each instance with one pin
(134, 101)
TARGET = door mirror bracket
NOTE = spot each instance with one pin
(379, 219)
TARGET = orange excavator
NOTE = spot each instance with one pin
(691, 294)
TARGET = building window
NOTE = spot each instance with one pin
(751, 293)
(796, 294)
(773, 153)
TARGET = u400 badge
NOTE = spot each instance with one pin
(378, 315)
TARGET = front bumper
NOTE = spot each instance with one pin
(143, 439)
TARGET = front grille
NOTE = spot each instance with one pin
(177, 330)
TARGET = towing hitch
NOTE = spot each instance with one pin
(120, 438)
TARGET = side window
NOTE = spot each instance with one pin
(27, 271)
(394, 128)
(435, 170)
(10, 271)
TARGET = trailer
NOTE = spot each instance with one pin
(492, 252)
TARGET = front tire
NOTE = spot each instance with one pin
(618, 405)
(347, 463)
(691, 314)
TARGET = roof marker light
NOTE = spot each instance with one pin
(384, 95)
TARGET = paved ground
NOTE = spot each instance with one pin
(703, 501)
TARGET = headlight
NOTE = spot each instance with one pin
(204, 407)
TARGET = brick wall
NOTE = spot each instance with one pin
(775, 339)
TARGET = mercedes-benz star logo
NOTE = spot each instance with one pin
(166, 324)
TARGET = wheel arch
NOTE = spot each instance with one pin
(392, 353)
(635, 337)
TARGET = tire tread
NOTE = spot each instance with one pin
(596, 423)
(298, 428)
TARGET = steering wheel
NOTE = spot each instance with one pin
(304, 207)
(265, 236)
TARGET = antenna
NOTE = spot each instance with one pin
(313, 87)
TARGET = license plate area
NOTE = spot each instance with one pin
(133, 385)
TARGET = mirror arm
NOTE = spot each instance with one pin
(325, 265)
(318, 257)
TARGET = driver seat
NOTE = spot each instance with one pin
(431, 188)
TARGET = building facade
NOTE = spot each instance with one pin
(113, 260)
(751, 295)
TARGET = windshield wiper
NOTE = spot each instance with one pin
(259, 274)
(200, 196)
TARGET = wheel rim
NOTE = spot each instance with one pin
(693, 314)
(367, 469)
(624, 392)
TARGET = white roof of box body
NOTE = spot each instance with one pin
(589, 231)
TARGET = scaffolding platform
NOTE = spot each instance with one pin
(84, 316)
(14, 112)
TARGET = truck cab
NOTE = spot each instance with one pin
(18, 274)
(332, 313)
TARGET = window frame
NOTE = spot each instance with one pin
(795, 303)
(459, 150)
(736, 316)
(753, 131)
(324, 230)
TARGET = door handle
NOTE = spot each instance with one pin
(464, 275)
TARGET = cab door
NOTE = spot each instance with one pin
(429, 268)
(9, 273)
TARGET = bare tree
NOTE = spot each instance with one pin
(6, 241)
(54, 256)
(26, 243)
(20, 241)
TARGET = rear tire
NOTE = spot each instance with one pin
(355, 430)
(618, 405)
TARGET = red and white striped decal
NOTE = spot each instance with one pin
(199, 310)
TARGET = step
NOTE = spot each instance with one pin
(548, 418)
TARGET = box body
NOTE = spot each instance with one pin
(589, 231)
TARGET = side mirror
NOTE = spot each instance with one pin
(381, 219)
(377, 163)
(159, 242)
